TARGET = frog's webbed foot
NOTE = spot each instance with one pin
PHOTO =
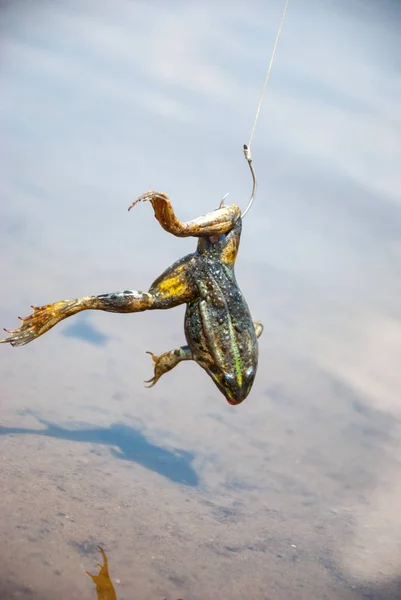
(44, 318)
(167, 361)
(217, 222)
(156, 198)
(258, 325)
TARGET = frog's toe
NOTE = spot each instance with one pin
(156, 376)
(154, 357)
(151, 382)
(42, 319)
(148, 197)
(165, 362)
(133, 204)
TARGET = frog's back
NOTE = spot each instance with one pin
(218, 324)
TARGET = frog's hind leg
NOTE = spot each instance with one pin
(217, 222)
(165, 362)
(171, 289)
(45, 317)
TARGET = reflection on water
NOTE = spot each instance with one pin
(104, 586)
(82, 329)
(131, 445)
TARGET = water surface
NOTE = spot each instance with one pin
(295, 494)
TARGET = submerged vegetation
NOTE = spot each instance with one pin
(104, 586)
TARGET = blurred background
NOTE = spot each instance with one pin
(294, 494)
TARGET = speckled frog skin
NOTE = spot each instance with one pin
(221, 336)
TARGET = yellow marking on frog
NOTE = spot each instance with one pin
(175, 284)
(229, 253)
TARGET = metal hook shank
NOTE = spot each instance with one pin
(248, 157)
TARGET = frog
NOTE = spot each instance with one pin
(220, 333)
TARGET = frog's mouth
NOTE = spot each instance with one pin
(231, 402)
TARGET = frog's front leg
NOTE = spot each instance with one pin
(167, 361)
(217, 222)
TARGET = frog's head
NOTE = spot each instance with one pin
(234, 387)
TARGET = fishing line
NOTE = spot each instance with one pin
(247, 148)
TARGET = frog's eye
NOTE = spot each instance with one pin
(249, 374)
(249, 377)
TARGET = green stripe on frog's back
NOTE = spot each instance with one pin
(217, 344)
